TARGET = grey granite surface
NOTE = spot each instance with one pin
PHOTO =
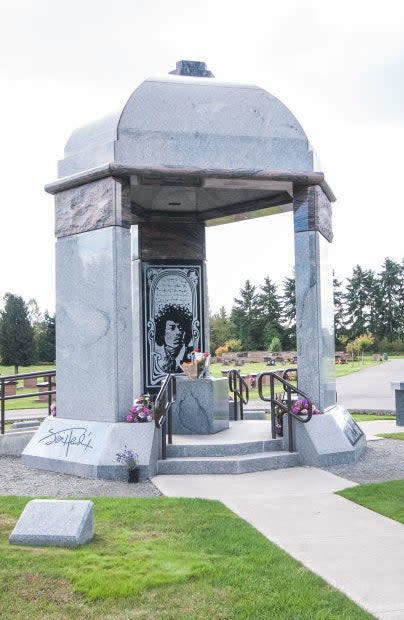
(328, 439)
(315, 318)
(55, 523)
(193, 68)
(89, 449)
(201, 406)
(95, 205)
(399, 402)
(181, 120)
(18, 479)
(383, 460)
(94, 325)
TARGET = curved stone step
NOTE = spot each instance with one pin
(240, 464)
(228, 449)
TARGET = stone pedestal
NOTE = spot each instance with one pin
(201, 407)
(89, 449)
(398, 386)
(332, 438)
(54, 523)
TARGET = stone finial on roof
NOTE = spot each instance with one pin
(193, 68)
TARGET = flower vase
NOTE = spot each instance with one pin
(133, 475)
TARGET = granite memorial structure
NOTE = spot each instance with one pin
(134, 194)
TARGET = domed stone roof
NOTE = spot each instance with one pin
(178, 121)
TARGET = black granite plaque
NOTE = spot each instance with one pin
(350, 428)
(173, 317)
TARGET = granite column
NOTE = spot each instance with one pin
(314, 295)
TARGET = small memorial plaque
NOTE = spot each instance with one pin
(349, 427)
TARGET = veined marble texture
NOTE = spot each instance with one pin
(94, 325)
(201, 406)
(315, 318)
(95, 205)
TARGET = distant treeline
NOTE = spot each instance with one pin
(26, 335)
(264, 318)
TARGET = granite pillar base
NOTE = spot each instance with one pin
(398, 386)
(331, 438)
(88, 449)
(201, 407)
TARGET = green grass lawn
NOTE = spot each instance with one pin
(392, 436)
(254, 368)
(369, 417)
(24, 403)
(386, 498)
(162, 559)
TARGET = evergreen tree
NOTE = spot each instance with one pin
(361, 302)
(269, 313)
(339, 310)
(288, 304)
(391, 299)
(16, 333)
(46, 340)
(244, 315)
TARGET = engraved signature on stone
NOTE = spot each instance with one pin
(73, 436)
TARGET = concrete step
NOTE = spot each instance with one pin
(240, 464)
(250, 414)
(228, 449)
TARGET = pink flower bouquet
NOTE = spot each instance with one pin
(141, 411)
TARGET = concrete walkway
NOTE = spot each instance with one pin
(356, 550)
(370, 388)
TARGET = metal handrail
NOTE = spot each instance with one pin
(165, 398)
(16, 377)
(239, 387)
(284, 405)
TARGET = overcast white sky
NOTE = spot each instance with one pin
(338, 65)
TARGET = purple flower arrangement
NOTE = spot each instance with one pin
(141, 411)
(128, 457)
(301, 407)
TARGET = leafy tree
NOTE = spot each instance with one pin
(234, 344)
(221, 329)
(361, 343)
(275, 346)
(16, 333)
(34, 312)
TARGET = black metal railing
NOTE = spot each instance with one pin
(162, 411)
(238, 386)
(282, 402)
(47, 375)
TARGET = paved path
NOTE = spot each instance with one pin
(370, 388)
(356, 550)
(26, 414)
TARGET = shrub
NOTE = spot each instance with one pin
(220, 350)
(234, 344)
(275, 346)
